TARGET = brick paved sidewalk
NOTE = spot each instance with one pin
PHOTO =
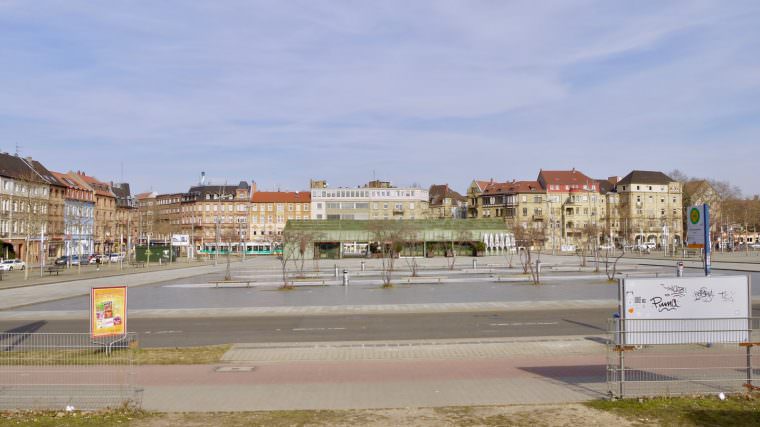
(383, 375)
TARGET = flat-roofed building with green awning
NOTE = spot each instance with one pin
(333, 239)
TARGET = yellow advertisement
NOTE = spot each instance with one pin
(108, 311)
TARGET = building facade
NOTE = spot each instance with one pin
(24, 207)
(271, 210)
(446, 203)
(651, 208)
(78, 216)
(376, 200)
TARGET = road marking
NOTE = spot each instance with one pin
(317, 329)
(524, 324)
(167, 332)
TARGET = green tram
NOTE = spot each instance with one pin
(235, 248)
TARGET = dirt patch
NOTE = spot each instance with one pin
(523, 415)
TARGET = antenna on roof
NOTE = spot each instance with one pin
(18, 149)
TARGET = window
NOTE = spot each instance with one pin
(411, 205)
(525, 211)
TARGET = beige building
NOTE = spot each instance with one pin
(474, 191)
(271, 210)
(105, 212)
(25, 186)
(446, 203)
(651, 208)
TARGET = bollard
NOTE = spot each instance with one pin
(345, 277)
(474, 264)
(336, 271)
(679, 269)
(362, 265)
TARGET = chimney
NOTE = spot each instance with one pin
(253, 187)
(203, 178)
(613, 180)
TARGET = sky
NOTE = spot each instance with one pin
(420, 92)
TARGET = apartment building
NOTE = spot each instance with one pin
(446, 203)
(126, 208)
(474, 191)
(271, 210)
(375, 201)
(217, 213)
(651, 208)
(105, 211)
(24, 206)
(78, 216)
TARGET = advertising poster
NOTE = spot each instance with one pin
(108, 311)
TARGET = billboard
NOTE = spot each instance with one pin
(108, 311)
(180, 240)
(684, 310)
(695, 226)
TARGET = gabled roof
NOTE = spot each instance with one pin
(482, 185)
(101, 188)
(514, 187)
(605, 186)
(645, 177)
(571, 177)
(147, 195)
(26, 169)
(438, 193)
(67, 181)
(281, 197)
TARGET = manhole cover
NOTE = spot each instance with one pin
(235, 368)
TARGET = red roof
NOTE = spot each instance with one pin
(145, 195)
(514, 187)
(101, 188)
(572, 178)
(67, 181)
(281, 197)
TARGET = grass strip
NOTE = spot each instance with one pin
(735, 410)
(117, 357)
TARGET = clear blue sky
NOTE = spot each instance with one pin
(416, 92)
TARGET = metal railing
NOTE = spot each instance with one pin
(652, 357)
(56, 370)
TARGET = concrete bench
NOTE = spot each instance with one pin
(232, 282)
(54, 269)
(424, 279)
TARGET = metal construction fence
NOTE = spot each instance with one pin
(654, 357)
(56, 370)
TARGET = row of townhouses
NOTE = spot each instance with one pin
(72, 212)
(46, 214)
(569, 206)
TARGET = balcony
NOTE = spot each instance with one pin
(398, 211)
(538, 217)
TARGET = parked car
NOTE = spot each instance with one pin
(114, 257)
(606, 246)
(754, 245)
(12, 264)
(91, 259)
(61, 260)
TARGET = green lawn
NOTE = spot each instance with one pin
(736, 410)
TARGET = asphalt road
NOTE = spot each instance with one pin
(181, 332)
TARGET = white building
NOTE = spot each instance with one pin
(374, 201)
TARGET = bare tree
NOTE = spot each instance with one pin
(611, 272)
(289, 244)
(529, 241)
(389, 236)
(590, 244)
(303, 241)
(32, 203)
(462, 236)
(411, 242)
